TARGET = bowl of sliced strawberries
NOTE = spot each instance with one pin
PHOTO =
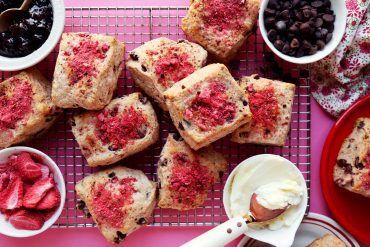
(32, 192)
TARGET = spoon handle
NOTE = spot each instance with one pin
(220, 235)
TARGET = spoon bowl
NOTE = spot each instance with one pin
(8, 15)
(260, 213)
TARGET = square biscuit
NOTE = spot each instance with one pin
(207, 105)
(87, 70)
(352, 170)
(26, 107)
(271, 104)
(186, 176)
(119, 200)
(160, 63)
(220, 26)
(126, 126)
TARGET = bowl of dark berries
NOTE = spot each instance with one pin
(32, 192)
(302, 31)
(32, 34)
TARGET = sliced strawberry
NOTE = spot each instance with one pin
(45, 171)
(11, 196)
(50, 200)
(4, 167)
(27, 220)
(29, 170)
(8, 213)
(38, 190)
(37, 158)
(4, 180)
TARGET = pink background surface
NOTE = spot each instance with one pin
(172, 236)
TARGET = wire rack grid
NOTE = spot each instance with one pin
(134, 26)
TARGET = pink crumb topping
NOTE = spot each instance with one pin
(109, 200)
(264, 107)
(15, 107)
(119, 129)
(224, 14)
(188, 179)
(82, 59)
(173, 67)
(211, 107)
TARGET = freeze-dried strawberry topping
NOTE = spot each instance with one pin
(264, 107)
(111, 199)
(188, 179)
(118, 129)
(173, 67)
(211, 107)
(28, 169)
(224, 14)
(17, 105)
(27, 220)
(12, 191)
(83, 59)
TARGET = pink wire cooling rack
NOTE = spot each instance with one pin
(134, 26)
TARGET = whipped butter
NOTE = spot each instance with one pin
(276, 184)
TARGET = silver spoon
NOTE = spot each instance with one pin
(8, 15)
(233, 228)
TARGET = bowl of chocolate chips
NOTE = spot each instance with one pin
(302, 31)
(32, 34)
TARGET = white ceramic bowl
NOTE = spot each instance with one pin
(5, 227)
(13, 64)
(340, 11)
(264, 234)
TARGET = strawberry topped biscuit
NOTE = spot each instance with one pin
(271, 104)
(220, 26)
(87, 70)
(160, 63)
(126, 126)
(120, 200)
(207, 105)
(28, 192)
(185, 176)
(352, 170)
(26, 109)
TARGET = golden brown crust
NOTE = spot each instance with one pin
(257, 134)
(225, 43)
(44, 112)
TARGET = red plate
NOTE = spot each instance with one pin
(350, 210)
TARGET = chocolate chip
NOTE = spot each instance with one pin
(181, 127)
(256, 77)
(342, 163)
(361, 125)
(294, 43)
(272, 34)
(112, 174)
(270, 21)
(348, 169)
(317, 4)
(318, 22)
(183, 87)
(113, 148)
(284, 14)
(80, 205)
(181, 41)
(120, 237)
(358, 165)
(142, 132)
(143, 99)
(142, 221)
(245, 103)
(328, 37)
(286, 48)
(134, 56)
(187, 124)
(328, 18)
(143, 68)
(269, 12)
(320, 44)
(177, 137)
(162, 162)
(86, 212)
(273, 4)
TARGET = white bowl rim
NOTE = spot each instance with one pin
(15, 64)
(245, 162)
(61, 186)
(305, 59)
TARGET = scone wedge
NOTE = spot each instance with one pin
(186, 176)
(87, 70)
(26, 107)
(328, 240)
(207, 105)
(120, 200)
(160, 63)
(220, 26)
(352, 170)
(126, 126)
(271, 104)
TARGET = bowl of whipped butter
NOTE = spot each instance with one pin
(277, 183)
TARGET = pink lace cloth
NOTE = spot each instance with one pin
(344, 76)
